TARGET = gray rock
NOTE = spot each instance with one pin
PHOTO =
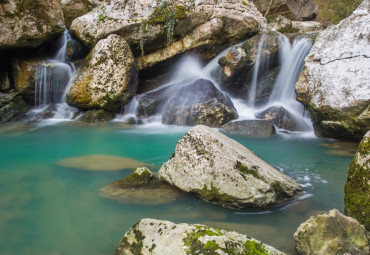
(331, 233)
(12, 107)
(76, 8)
(281, 118)
(284, 25)
(150, 236)
(222, 171)
(259, 128)
(335, 80)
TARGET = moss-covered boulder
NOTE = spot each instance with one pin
(108, 78)
(29, 23)
(96, 116)
(357, 187)
(331, 233)
(335, 80)
(221, 171)
(12, 107)
(150, 236)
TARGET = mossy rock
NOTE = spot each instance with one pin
(97, 116)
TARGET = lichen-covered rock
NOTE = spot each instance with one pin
(12, 107)
(259, 128)
(284, 25)
(198, 103)
(108, 78)
(335, 80)
(76, 8)
(357, 187)
(96, 116)
(331, 233)
(29, 23)
(150, 236)
(222, 171)
(24, 73)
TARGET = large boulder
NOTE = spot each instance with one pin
(331, 233)
(76, 8)
(222, 171)
(259, 128)
(29, 23)
(107, 79)
(198, 103)
(150, 236)
(12, 107)
(335, 80)
(357, 187)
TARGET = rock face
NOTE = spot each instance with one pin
(76, 8)
(29, 23)
(357, 188)
(198, 103)
(107, 79)
(151, 236)
(259, 128)
(12, 107)
(335, 81)
(222, 171)
(331, 233)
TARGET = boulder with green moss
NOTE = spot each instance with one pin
(12, 107)
(96, 116)
(108, 78)
(150, 236)
(357, 187)
(332, 233)
(222, 171)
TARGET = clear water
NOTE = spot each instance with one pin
(47, 209)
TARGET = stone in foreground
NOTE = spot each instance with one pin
(222, 171)
(259, 128)
(357, 188)
(151, 236)
(332, 233)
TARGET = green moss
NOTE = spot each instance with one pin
(137, 179)
(245, 3)
(101, 17)
(246, 171)
(211, 246)
(333, 11)
(288, 29)
(194, 246)
(254, 248)
(213, 195)
(97, 116)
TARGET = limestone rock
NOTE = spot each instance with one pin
(76, 8)
(108, 78)
(24, 73)
(222, 171)
(150, 236)
(284, 25)
(12, 107)
(259, 128)
(331, 233)
(29, 23)
(335, 80)
(281, 118)
(96, 116)
(357, 187)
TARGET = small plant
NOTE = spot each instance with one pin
(101, 17)
(244, 3)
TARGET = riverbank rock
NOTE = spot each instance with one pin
(335, 81)
(259, 128)
(285, 26)
(357, 187)
(281, 118)
(29, 23)
(150, 236)
(198, 103)
(76, 8)
(12, 107)
(96, 116)
(141, 187)
(108, 78)
(222, 171)
(331, 233)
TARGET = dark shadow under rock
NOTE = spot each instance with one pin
(260, 128)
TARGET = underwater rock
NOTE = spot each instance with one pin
(335, 81)
(198, 103)
(150, 236)
(99, 163)
(285, 26)
(29, 23)
(12, 107)
(222, 171)
(259, 128)
(331, 233)
(141, 187)
(357, 187)
(280, 117)
(97, 116)
(76, 8)
(108, 78)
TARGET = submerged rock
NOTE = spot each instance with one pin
(108, 78)
(222, 171)
(198, 103)
(331, 233)
(260, 128)
(281, 118)
(12, 107)
(335, 81)
(96, 116)
(357, 187)
(141, 187)
(100, 163)
(150, 236)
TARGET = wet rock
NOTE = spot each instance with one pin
(140, 187)
(12, 107)
(41, 114)
(76, 8)
(335, 81)
(150, 236)
(357, 187)
(196, 103)
(222, 171)
(75, 50)
(281, 118)
(100, 163)
(97, 116)
(152, 102)
(24, 73)
(108, 78)
(29, 23)
(285, 26)
(331, 233)
(259, 128)
(4, 81)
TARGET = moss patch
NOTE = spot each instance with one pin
(246, 171)
(254, 248)
(194, 246)
(214, 195)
